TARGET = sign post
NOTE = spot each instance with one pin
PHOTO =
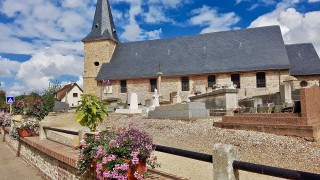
(10, 100)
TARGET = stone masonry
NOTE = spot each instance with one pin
(95, 52)
(173, 84)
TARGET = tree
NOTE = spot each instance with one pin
(91, 111)
(2, 98)
(48, 97)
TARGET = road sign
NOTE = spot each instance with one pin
(10, 99)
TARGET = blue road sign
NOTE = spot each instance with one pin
(10, 99)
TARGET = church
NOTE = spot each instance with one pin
(255, 60)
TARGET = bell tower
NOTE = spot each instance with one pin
(99, 46)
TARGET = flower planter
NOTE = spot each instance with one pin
(140, 168)
(24, 132)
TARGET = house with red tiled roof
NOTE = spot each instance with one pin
(70, 93)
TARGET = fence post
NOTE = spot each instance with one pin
(42, 133)
(223, 156)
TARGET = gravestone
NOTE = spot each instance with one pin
(177, 98)
(155, 101)
(133, 101)
(133, 108)
(180, 111)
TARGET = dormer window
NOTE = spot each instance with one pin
(97, 25)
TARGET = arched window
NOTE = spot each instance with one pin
(261, 79)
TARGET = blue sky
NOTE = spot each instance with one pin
(40, 40)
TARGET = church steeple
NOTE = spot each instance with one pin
(103, 25)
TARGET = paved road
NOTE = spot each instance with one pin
(14, 168)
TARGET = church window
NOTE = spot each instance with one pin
(261, 79)
(123, 86)
(75, 94)
(185, 84)
(96, 63)
(211, 80)
(153, 84)
(235, 78)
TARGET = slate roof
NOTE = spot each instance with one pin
(103, 25)
(304, 59)
(228, 51)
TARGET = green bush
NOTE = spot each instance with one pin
(91, 112)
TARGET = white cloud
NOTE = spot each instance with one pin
(16, 89)
(214, 21)
(80, 81)
(42, 68)
(296, 27)
(8, 67)
(312, 1)
(132, 30)
(43, 20)
(156, 14)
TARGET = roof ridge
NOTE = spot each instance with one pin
(203, 34)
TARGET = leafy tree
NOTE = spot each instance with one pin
(2, 98)
(48, 97)
(91, 111)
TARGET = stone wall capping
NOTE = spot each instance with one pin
(58, 151)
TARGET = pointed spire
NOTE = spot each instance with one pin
(103, 26)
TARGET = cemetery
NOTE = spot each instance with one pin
(176, 108)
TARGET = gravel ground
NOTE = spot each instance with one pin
(200, 135)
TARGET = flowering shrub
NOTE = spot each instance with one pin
(116, 151)
(19, 107)
(36, 110)
(5, 120)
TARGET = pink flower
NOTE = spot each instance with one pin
(135, 160)
(130, 123)
(99, 167)
(85, 136)
(113, 143)
(149, 147)
(138, 176)
(104, 160)
(97, 137)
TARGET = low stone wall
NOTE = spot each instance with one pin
(53, 160)
(274, 119)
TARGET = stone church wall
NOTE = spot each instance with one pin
(198, 83)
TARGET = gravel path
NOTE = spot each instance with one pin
(200, 135)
